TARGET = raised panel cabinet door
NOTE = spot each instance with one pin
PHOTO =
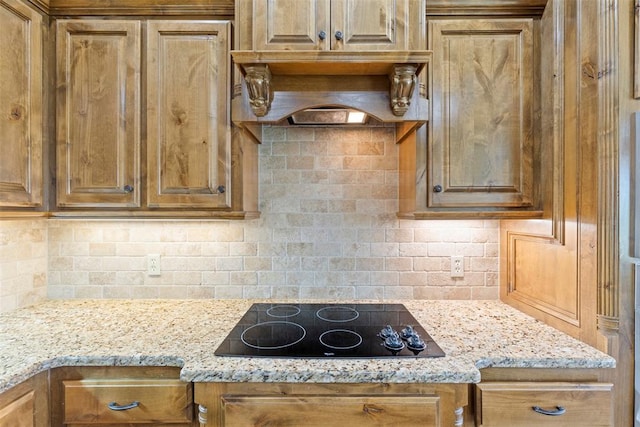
(188, 123)
(481, 129)
(98, 113)
(20, 412)
(369, 24)
(291, 24)
(20, 105)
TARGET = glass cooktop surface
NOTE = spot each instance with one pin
(328, 330)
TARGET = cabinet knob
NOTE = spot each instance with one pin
(128, 188)
(339, 35)
(437, 188)
(221, 189)
(322, 35)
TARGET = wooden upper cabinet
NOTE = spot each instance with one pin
(337, 24)
(98, 113)
(21, 105)
(188, 137)
(481, 131)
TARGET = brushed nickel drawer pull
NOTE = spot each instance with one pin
(552, 412)
(115, 407)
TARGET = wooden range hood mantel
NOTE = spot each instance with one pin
(277, 84)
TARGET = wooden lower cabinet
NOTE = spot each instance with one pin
(120, 396)
(576, 399)
(26, 405)
(252, 404)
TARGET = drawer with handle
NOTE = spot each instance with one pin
(566, 404)
(139, 401)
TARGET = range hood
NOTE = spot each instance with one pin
(277, 84)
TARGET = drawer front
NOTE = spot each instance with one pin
(98, 401)
(511, 404)
(316, 411)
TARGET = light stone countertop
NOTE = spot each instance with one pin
(185, 333)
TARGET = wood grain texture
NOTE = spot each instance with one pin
(26, 404)
(160, 401)
(188, 138)
(21, 110)
(468, 8)
(509, 404)
(319, 411)
(446, 398)
(362, 25)
(481, 135)
(98, 113)
(221, 9)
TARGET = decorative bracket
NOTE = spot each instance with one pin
(258, 79)
(403, 81)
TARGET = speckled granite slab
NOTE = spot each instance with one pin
(185, 333)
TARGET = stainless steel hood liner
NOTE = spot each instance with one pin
(277, 84)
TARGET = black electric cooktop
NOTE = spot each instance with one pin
(328, 330)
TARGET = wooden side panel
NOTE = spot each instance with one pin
(188, 136)
(481, 141)
(369, 24)
(98, 112)
(26, 404)
(291, 24)
(21, 88)
(320, 411)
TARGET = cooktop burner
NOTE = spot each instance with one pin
(328, 330)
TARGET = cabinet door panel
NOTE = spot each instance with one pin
(188, 144)
(481, 144)
(369, 24)
(20, 412)
(21, 105)
(291, 24)
(98, 111)
(310, 411)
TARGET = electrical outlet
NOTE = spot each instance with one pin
(153, 264)
(457, 266)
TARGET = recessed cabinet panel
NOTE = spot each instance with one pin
(20, 105)
(20, 412)
(247, 411)
(481, 135)
(187, 114)
(291, 24)
(369, 24)
(98, 111)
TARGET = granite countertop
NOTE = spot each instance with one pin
(185, 333)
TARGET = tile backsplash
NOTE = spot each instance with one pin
(328, 229)
(23, 263)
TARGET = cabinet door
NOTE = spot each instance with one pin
(21, 105)
(291, 24)
(98, 113)
(26, 404)
(188, 137)
(481, 129)
(369, 24)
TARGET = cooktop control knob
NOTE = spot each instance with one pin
(394, 344)
(407, 332)
(416, 344)
(387, 331)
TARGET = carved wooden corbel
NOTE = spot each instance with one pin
(403, 81)
(258, 79)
